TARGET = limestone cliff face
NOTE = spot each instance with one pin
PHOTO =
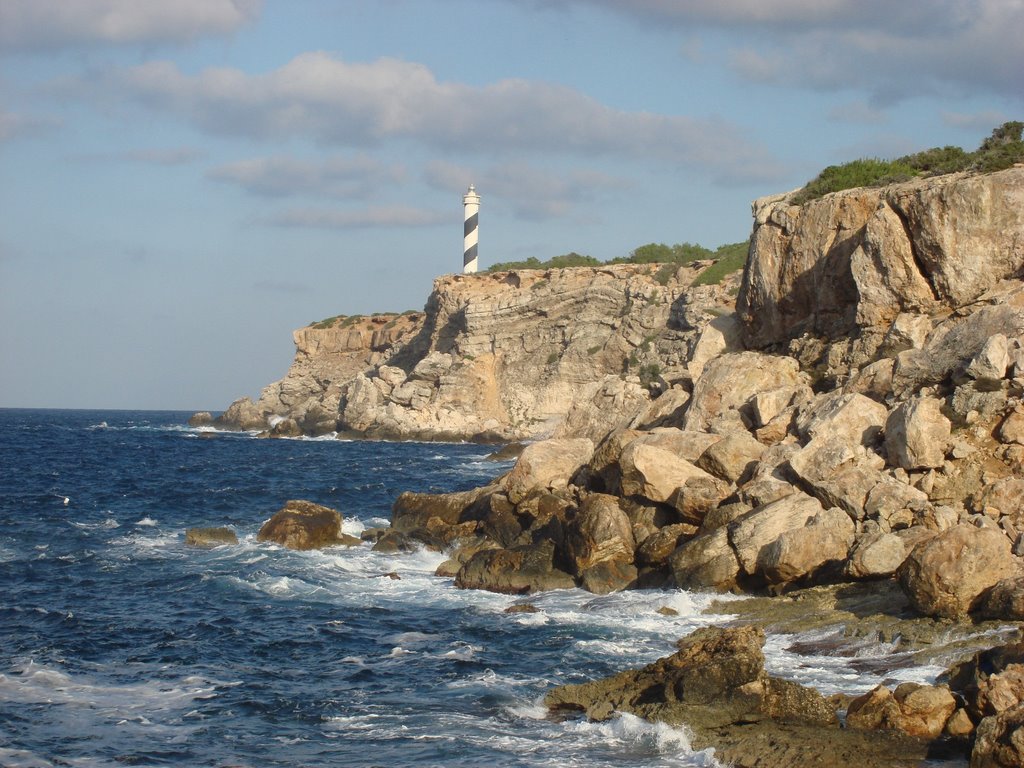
(849, 266)
(510, 355)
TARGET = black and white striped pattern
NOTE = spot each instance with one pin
(471, 202)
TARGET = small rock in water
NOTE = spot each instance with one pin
(666, 611)
(391, 575)
(522, 608)
(210, 537)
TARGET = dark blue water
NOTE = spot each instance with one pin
(120, 646)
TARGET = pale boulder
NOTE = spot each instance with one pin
(656, 473)
(801, 552)
(845, 416)
(917, 434)
(751, 533)
(731, 457)
(947, 575)
(732, 379)
(548, 464)
(991, 363)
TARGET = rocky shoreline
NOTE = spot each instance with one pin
(856, 418)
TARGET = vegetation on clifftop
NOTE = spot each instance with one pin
(1000, 150)
(728, 258)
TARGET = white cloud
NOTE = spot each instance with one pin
(40, 25)
(340, 103)
(355, 176)
(388, 217)
(891, 50)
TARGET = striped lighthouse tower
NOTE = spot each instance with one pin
(471, 202)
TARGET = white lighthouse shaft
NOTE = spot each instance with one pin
(471, 203)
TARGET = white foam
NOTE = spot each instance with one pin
(20, 758)
(146, 522)
(38, 684)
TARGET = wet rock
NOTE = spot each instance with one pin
(917, 433)
(917, 710)
(305, 525)
(1005, 600)
(201, 419)
(706, 561)
(656, 548)
(947, 575)
(242, 414)
(599, 532)
(210, 537)
(609, 576)
(520, 570)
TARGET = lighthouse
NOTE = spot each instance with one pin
(471, 204)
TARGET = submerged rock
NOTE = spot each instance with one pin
(210, 537)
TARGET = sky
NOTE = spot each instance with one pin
(184, 182)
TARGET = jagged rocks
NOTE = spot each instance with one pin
(728, 382)
(1000, 740)
(707, 561)
(915, 709)
(751, 534)
(305, 525)
(599, 532)
(947, 575)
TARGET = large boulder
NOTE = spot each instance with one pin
(732, 457)
(850, 417)
(599, 532)
(947, 575)
(520, 570)
(547, 464)
(916, 434)
(729, 381)
(752, 533)
(242, 414)
(706, 561)
(305, 525)
(801, 553)
(659, 475)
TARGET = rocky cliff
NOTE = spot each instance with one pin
(503, 356)
(865, 424)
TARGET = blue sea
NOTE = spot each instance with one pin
(121, 646)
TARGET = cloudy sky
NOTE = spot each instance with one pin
(183, 182)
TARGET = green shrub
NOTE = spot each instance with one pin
(553, 358)
(649, 373)
(728, 259)
(1000, 150)
(556, 262)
